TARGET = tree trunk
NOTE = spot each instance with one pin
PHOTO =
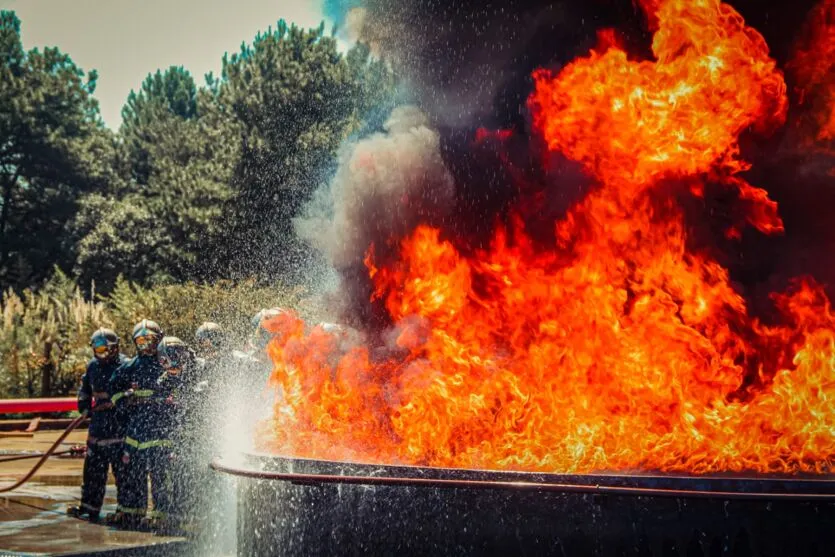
(46, 370)
(8, 189)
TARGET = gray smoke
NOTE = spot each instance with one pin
(385, 185)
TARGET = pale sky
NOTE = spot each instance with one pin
(126, 39)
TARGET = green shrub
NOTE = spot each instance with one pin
(45, 334)
(181, 308)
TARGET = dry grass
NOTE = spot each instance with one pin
(45, 334)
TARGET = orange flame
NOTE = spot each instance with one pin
(620, 350)
(633, 123)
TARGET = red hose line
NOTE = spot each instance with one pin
(46, 455)
(12, 458)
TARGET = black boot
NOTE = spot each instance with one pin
(123, 520)
(83, 513)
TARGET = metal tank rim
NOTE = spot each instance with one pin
(306, 471)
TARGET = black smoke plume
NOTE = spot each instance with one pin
(467, 66)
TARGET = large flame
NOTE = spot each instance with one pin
(624, 348)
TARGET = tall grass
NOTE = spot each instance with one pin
(45, 334)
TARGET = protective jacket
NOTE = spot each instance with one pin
(140, 395)
(189, 471)
(104, 437)
(94, 396)
(183, 393)
(143, 398)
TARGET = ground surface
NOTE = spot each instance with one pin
(59, 470)
(33, 518)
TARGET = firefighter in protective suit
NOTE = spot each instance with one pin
(227, 374)
(211, 341)
(186, 390)
(221, 364)
(138, 392)
(262, 335)
(106, 432)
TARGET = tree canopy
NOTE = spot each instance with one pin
(296, 98)
(178, 152)
(53, 150)
(199, 183)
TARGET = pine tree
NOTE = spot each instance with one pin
(53, 149)
(179, 152)
(297, 98)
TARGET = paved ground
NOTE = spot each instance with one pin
(33, 518)
(56, 470)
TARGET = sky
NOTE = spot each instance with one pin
(124, 40)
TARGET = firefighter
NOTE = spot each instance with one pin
(262, 334)
(105, 435)
(185, 388)
(227, 373)
(147, 447)
(211, 340)
(220, 363)
(235, 382)
(181, 367)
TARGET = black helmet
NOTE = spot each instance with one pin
(105, 344)
(146, 336)
(174, 354)
(210, 337)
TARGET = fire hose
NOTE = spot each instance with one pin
(76, 450)
(48, 453)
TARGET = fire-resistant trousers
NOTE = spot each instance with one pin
(102, 454)
(183, 489)
(142, 463)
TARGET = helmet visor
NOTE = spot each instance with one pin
(146, 344)
(103, 348)
(170, 364)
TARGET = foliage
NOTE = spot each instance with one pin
(122, 239)
(181, 308)
(178, 165)
(297, 98)
(53, 149)
(170, 215)
(162, 99)
(45, 335)
(199, 182)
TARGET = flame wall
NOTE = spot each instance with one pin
(572, 299)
